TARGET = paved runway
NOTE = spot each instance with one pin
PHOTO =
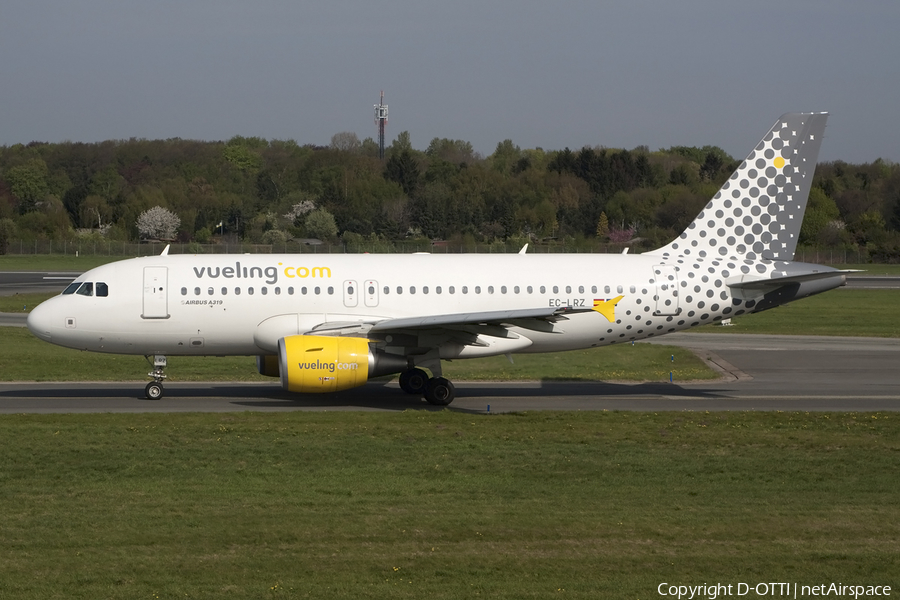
(760, 372)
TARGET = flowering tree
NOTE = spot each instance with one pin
(158, 223)
(621, 236)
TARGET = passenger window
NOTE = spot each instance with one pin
(291, 291)
(102, 289)
(264, 290)
(437, 290)
(580, 289)
(452, 289)
(317, 290)
(399, 289)
(196, 291)
(237, 291)
(210, 291)
(465, 289)
(412, 289)
(250, 290)
(71, 289)
(424, 289)
(387, 290)
(530, 289)
(490, 289)
(278, 291)
(477, 289)
(632, 289)
(303, 290)
(224, 291)
(543, 290)
(330, 291)
(555, 289)
(619, 290)
(183, 292)
(593, 289)
(86, 289)
(568, 289)
(606, 290)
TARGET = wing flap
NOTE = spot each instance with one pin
(487, 318)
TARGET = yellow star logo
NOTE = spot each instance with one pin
(607, 308)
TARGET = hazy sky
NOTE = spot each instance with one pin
(542, 73)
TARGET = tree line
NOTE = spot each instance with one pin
(253, 190)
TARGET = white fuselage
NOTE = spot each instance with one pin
(214, 304)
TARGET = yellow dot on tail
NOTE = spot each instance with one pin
(779, 162)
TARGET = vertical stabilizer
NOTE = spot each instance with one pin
(758, 212)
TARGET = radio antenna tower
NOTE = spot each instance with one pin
(381, 117)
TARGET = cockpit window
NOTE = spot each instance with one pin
(86, 289)
(102, 289)
(72, 287)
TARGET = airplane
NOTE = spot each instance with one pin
(324, 323)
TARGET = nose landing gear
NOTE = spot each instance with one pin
(154, 389)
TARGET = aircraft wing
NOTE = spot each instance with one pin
(495, 317)
(539, 319)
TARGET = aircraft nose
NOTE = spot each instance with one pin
(39, 321)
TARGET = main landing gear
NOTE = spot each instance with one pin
(154, 389)
(438, 391)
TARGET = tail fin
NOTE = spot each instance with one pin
(758, 212)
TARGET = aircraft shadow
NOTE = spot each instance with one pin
(376, 395)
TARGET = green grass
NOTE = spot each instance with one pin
(54, 262)
(18, 303)
(854, 312)
(23, 357)
(442, 505)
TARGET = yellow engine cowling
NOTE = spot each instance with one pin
(318, 364)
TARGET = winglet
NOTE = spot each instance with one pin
(165, 251)
(524, 248)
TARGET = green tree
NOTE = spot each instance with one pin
(28, 183)
(320, 224)
(403, 169)
(7, 232)
(821, 211)
(505, 156)
(603, 226)
(401, 144)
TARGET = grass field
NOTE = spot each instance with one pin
(23, 357)
(845, 311)
(423, 504)
(442, 505)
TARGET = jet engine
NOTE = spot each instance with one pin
(317, 364)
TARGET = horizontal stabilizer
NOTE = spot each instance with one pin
(776, 282)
